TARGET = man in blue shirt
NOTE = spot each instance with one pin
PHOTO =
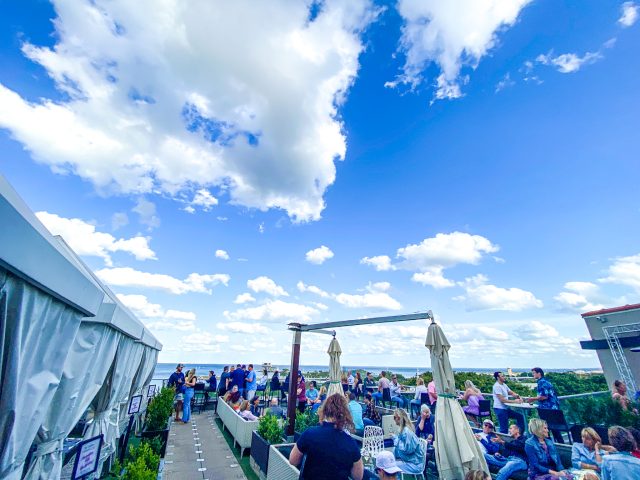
(176, 380)
(237, 379)
(547, 397)
(224, 380)
(252, 384)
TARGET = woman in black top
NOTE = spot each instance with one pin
(358, 385)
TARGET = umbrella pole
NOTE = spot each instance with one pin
(293, 381)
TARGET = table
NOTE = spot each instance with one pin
(525, 407)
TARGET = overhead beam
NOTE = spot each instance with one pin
(361, 321)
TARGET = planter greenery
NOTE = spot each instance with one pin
(269, 432)
(140, 464)
(156, 425)
(601, 412)
(306, 420)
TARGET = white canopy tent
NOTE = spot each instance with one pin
(61, 332)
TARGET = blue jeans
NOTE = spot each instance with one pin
(504, 414)
(400, 400)
(508, 466)
(377, 397)
(186, 406)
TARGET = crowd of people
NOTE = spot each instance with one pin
(332, 449)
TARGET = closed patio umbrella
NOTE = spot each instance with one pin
(457, 450)
(334, 367)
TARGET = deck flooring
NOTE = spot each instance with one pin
(198, 451)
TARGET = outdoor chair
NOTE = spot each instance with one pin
(386, 397)
(198, 402)
(556, 423)
(421, 476)
(484, 407)
(372, 441)
(211, 399)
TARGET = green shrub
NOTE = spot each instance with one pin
(305, 420)
(141, 464)
(159, 410)
(270, 429)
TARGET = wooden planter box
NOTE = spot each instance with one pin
(260, 452)
(279, 466)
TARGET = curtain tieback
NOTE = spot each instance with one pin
(52, 446)
(447, 395)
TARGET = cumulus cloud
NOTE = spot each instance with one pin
(164, 97)
(240, 327)
(156, 317)
(222, 254)
(244, 298)
(452, 34)
(479, 295)
(506, 82)
(119, 220)
(319, 255)
(375, 297)
(429, 258)
(266, 285)
(146, 211)
(312, 289)
(568, 62)
(83, 238)
(625, 271)
(629, 14)
(580, 297)
(273, 310)
(195, 282)
(203, 199)
(381, 263)
(201, 341)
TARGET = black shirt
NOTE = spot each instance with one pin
(330, 452)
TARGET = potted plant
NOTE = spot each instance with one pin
(269, 432)
(158, 419)
(304, 421)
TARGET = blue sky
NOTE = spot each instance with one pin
(227, 175)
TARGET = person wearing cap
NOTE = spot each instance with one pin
(386, 466)
(512, 456)
(485, 438)
(176, 380)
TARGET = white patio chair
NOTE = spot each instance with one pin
(372, 441)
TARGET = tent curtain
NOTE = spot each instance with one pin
(36, 333)
(334, 368)
(457, 450)
(85, 369)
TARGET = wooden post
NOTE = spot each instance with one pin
(293, 382)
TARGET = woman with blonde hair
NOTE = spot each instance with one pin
(477, 475)
(472, 396)
(189, 383)
(586, 457)
(409, 450)
(245, 412)
(544, 461)
(417, 398)
(330, 451)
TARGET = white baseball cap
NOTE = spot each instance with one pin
(387, 462)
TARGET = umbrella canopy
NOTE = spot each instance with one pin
(457, 450)
(334, 367)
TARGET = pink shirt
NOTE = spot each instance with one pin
(383, 383)
(431, 388)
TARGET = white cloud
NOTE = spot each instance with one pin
(629, 14)
(128, 277)
(119, 220)
(83, 238)
(266, 285)
(274, 310)
(201, 341)
(155, 317)
(312, 289)
(506, 82)
(165, 98)
(375, 298)
(381, 263)
(580, 297)
(625, 271)
(240, 327)
(433, 277)
(453, 34)
(568, 62)
(244, 298)
(320, 306)
(319, 255)
(204, 199)
(222, 254)
(146, 211)
(479, 295)
(536, 331)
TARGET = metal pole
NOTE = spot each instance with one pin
(293, 382)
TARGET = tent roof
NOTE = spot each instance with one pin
(29, 251)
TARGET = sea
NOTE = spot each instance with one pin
(164, 370)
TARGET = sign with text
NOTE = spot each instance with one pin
(87, 457)
(151, 391)
(134, 404)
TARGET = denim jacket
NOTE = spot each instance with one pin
(408, 448)
(538, 461)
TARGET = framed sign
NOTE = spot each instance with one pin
(151, 391)
(134, 404)
(87, 457)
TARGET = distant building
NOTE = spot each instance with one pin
(615, 336)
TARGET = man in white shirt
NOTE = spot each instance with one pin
(396, 395)
(501, 394)
(350, 380)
